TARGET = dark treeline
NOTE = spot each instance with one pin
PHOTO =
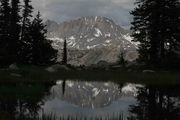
(22, 37)
(156, 25)
(156, 103)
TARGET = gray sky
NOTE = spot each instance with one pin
(62, 10)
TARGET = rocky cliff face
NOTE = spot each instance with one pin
(91, 39)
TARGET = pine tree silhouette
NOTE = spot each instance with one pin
(42, 51)
(25, 37)
(155, 25)
(64, 60)
(22, 40)
(14, 30)
(4, 32)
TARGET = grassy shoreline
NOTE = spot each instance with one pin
(33, 74)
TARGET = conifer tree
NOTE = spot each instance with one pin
(64, 60)
(26, 41)
(27, 14)
(141, 32)
(14, 30)
(122, 60)
(23, 41)
(155, 25)
(4, 32)
(170, 32)
(42, 51)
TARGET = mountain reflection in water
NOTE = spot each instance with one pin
(90, 99)
(82, 99)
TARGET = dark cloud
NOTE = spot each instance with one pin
(63, 10)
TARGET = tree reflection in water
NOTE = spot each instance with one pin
(63, 87)
(21, 101)
(156, 103)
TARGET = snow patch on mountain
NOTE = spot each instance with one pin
(130, 39)
(127, 37)
(90, 40)
(98, 32)
(56, 39)
(107, 35)
(91, 47)
(71, 42)
(72, 38)
(107, 41)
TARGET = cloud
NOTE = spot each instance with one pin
(63, 10)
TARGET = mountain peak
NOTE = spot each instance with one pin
(88, 33)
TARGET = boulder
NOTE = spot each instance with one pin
(57, 67)
(15, 75)
(13, 67)
(50, 69)
(148, 71)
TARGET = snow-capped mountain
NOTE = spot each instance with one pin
(91, 33)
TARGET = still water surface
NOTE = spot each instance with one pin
(82, 99)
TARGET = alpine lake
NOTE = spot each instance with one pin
(89, 96)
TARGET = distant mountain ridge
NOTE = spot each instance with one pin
(91, 33)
